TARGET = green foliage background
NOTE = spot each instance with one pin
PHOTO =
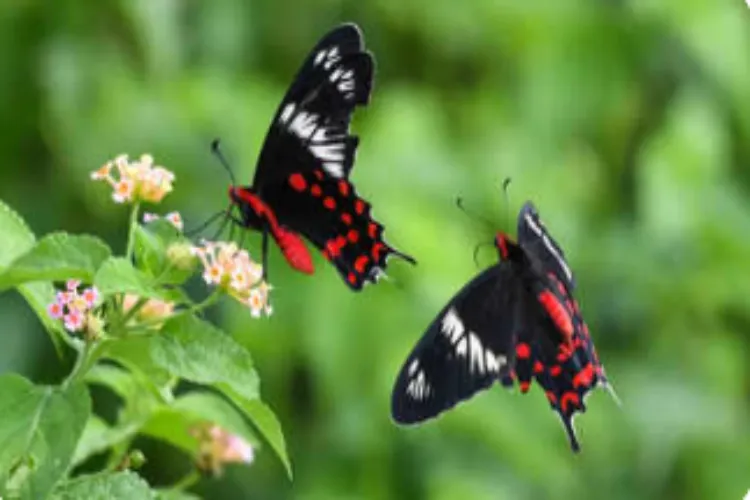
(627, 123)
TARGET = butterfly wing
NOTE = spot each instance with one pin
(466, 348)
(539, 243)
(330, 214)
(311, 126)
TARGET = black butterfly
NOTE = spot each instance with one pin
(301, 184)
(514, 321)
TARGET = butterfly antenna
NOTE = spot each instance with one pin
(506, 183)
(460, 205)
(216, 150)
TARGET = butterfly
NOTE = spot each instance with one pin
(301, 186)
(514, 322)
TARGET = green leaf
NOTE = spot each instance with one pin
(151, 251)
(97, 437)
(266, 423)
(173, 423)
(16, 235)
(124, 485)
(39, 430)
(57, 257)
(134, 354)
(176, 495)
(195, 350)
(117, 275)
(39, 295)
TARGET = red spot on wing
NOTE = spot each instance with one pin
(346, 219)
(377, 247)
(353, 235)
(361, 263)
(551, 396)
(569, 398)
(319, 174)
(372, 230)
(555, 371)
(359, 207)
(557, 313)
(584, 377)
(344, 188)
(523, 351)
(329, 203)
(352, 278)
(538, 367)
(298, 182)
(315, 190)
(524, 386)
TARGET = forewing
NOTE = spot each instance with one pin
(465, 349)
(330, 214)
(311, 126)
(539, 244)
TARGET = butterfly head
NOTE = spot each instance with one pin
(254, 211)
(506, 247)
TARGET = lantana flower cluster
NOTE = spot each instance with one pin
(74, 307)
(138, 180)
(232, 269)
(173, 218)
(217, 447)
(152, 309)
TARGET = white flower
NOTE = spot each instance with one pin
(135, 181)
(232, 269)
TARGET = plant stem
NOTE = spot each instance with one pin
(188, 481)
(131, 230)
(86, 356)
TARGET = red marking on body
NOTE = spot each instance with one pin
(557, 313)
(344, 188)
(353, 235)
(315, 190)
(329, 203)
(584, 377)
(501, 245)
(361, 263)
(352, 278)
(297, 182)
(524, 386)
(346, 219)
(319, 174)
(372, 230)
(586, 330)
(571, 306)
(551, 396)
(565, 352)
(576, 308)
(538, 367)
(333, 248)
(561, 287)
(359, 207)
(555, 371)
(377, 247)
(569, 398)
(294, 250)
(523, 351)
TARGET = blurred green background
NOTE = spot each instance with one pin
(627, 123)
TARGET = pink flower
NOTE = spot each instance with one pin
(91, 296)
(55, 310)
(73, 321)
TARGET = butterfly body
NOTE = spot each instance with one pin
(301, 186)
(514, 323)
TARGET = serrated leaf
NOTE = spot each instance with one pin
(39, 295)
(117, 275)
(39, 430)
(173, 423)
(57, 257)
(17, 237)
(195, 350)
(266, 423)
(124, 485)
